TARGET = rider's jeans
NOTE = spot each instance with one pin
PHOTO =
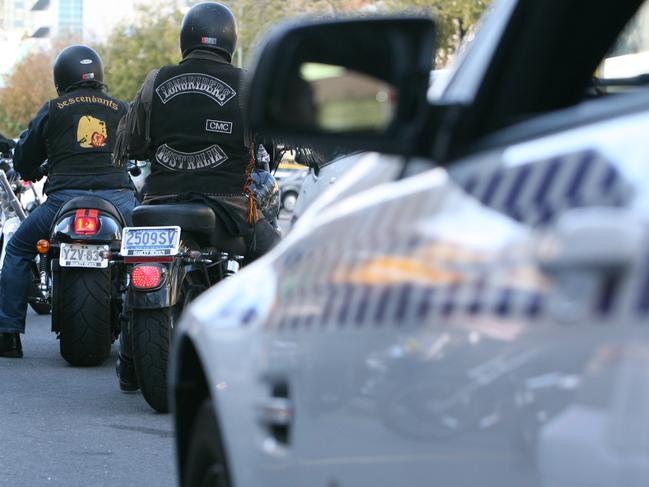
(16, 276)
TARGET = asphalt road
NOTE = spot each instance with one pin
(72, 427)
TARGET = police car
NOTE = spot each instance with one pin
(481, 322)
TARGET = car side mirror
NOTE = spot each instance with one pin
(357, 83)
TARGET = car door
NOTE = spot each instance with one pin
(427, 334)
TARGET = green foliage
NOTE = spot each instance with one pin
(455, 19)
(255, 17)
(132, 51)
(151, 40)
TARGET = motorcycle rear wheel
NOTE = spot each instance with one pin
(85, 329)
(151, 334)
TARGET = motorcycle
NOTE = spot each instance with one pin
(174, 253)
(17, 199)
(85, 287)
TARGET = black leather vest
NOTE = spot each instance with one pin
(81, 133)
(196, 130)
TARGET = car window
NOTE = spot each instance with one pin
(626, 66)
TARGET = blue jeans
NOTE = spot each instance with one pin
(16, 275)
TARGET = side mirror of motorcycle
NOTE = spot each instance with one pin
(355, 83)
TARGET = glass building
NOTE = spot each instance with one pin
(70, 20)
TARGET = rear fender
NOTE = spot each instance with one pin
(165, 296)
(109, 232)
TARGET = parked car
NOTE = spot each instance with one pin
(483, 322)
(290, 187)
(290, 176)
(317, 180)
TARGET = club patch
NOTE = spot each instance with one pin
(197, 83)
(218, 126)
(176, 160)
(91, 132)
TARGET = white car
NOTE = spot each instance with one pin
(483, 322)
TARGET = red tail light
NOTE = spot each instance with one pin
(146, 276)
(86, 222)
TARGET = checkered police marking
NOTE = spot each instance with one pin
(537, 192)
(387, 274)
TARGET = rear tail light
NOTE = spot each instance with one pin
(146, 276)
(86, 222)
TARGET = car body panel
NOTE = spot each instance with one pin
(315, 184)
(356, 173)
(420, 339)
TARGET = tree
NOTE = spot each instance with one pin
(255, 17)
(27, 88)
(455, 19)
(132, 50)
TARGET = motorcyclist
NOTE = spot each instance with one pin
(187, 120)
(76, 133)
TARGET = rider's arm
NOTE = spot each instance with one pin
(133, 136)
(31, 151)
(6, 144)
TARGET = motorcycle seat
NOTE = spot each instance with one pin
(196, 219)
(91, 202)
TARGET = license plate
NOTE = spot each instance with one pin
(150, 241)
(81, 255)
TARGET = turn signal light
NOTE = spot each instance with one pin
(43, 246)
(146, 276)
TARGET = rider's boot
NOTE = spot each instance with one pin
(10, 345)
(126, 374)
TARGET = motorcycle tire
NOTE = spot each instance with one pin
(85, 337)
(151, 331)
(205, 464)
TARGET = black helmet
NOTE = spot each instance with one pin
(75, 65)
(209, 25)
